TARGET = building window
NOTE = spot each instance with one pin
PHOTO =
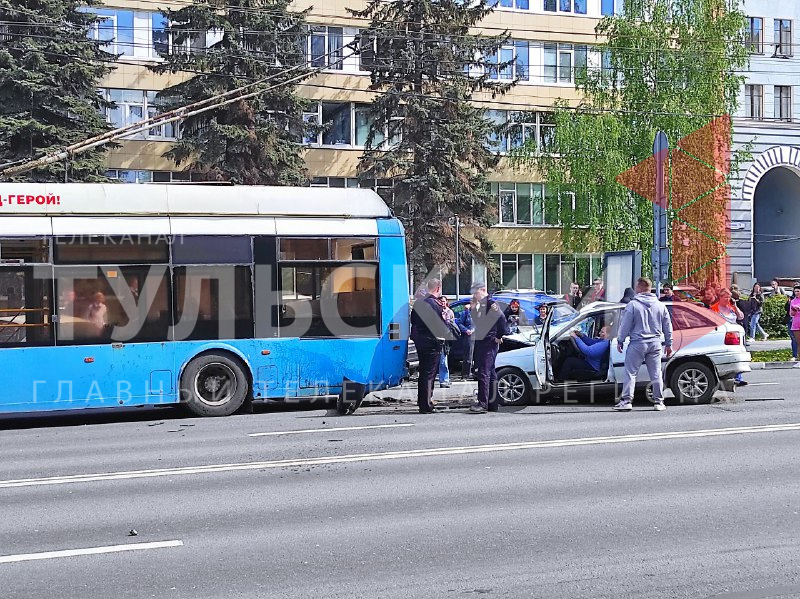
(609, 8)
(754, 101)
(783, 37)
(552, 273)
(576, 6)
(335, 121)
(515, 128)
(783, 102)
(519, 203)
(344, 124)
(511, 61)
(133, 176)
(134, 106)
(558, 61)
(326, 47)
(115, 28)
(755, 37)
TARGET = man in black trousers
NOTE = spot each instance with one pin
(490, 327)
(428, 332)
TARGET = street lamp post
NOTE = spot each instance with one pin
(456, 221)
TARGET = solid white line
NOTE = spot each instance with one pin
(26, 557)
(394, 455)
(757, 384)
(327, 430)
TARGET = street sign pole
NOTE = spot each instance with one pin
(660, 255)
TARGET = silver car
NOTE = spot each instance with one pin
(709, 353)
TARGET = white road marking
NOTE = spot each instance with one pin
(327, 430)
(26, 557)
(394, 455)
(757, 384)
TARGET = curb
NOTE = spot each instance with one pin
(774, 365)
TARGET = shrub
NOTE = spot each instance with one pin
(773, 318)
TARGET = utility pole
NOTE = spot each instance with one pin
(660, 254)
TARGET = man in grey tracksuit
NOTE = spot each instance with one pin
(644, 320)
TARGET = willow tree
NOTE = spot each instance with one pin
(425, 135)
(663, 65)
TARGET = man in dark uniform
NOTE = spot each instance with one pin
(490, 327)
(428, 332)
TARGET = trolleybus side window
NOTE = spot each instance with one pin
(104, 304)
(328, 287)
(213, 302)
(94, 249)
(25, 292)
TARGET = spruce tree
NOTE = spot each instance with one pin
(254, 141)
(49, 74)
(425, 134)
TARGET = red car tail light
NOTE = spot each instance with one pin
(732, 338)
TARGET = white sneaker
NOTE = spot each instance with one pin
(752, 340)
(659, 406)
(766, 336)
(623, 405)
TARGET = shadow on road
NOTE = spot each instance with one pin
(144, 414)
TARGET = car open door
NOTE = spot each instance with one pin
(542, 353)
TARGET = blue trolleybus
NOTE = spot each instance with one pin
(132, 295)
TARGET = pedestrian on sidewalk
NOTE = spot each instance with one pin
(794, 326)
(575, 295)
(464, 322)
(726, 307)
(667, 294)
(450, 319)
(645, 320)
(490, 327)
(428, 332)
(756, 308)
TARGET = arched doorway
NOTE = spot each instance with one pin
(776, 224)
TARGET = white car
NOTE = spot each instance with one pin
(709, 353)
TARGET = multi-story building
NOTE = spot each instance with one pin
(550, 40)
(765, 220)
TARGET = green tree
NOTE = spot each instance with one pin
(253, 141)
(49, 74)
(425, 135)
(665, 65)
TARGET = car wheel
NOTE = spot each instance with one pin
(214, 385)
(693, 383)
(513, 387)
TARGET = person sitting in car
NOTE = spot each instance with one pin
(588, 365)
(515, 317)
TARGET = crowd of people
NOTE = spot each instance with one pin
(645, 320)
(434, 328)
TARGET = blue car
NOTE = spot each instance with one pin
(529, 302)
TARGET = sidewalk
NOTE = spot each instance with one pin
(771, 345)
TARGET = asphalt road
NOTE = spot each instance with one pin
(544, 501)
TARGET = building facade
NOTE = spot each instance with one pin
(550, 40)
(765, 218)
